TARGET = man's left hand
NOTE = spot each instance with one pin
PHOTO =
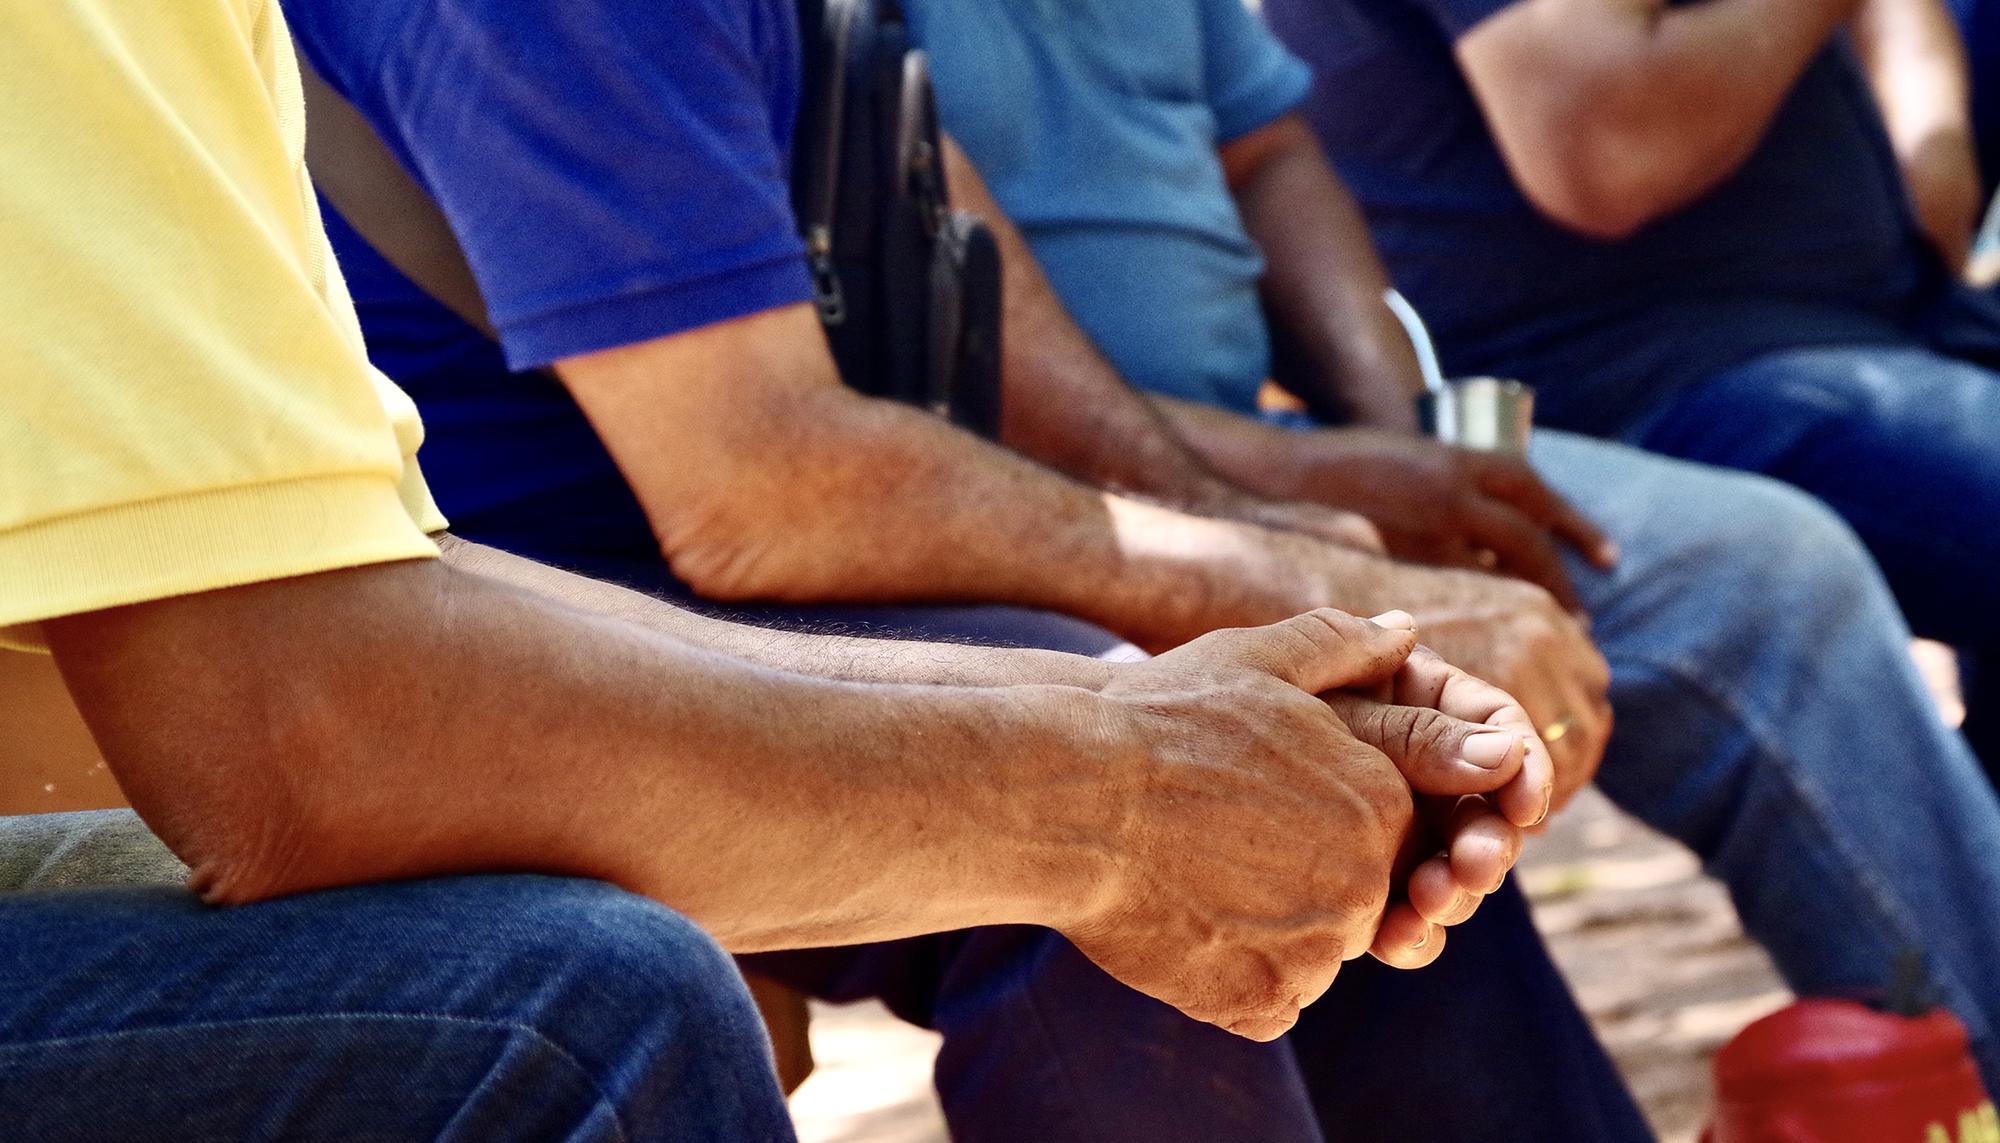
(1443, 505)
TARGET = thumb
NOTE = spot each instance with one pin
(1321, 650)
(1438, 754)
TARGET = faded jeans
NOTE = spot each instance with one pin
(1770, 718)
(1904, 444)
(478, 1010)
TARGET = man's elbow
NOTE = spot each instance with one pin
(1603, 214)
(733, 556)
(1601, 185)
(243, 841)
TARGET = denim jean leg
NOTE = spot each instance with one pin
(1484, 1044)
(477, 1009)
(1901, 443)
(1039, 1043)
(1770, 718)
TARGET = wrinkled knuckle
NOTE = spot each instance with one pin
(1429, 733)
(1388, 811)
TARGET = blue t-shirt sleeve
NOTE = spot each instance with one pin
(1251, 79)
(617, 170)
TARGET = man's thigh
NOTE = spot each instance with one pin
(470, 1009)
(1486, 1043)
(1703, 550)
(94, 849)
(1901, 442)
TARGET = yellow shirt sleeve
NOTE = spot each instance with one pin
(185, 401)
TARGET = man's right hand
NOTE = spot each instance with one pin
(1265, 835)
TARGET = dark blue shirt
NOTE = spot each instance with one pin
(617, 171)
(1810, 243)
(1979, 21)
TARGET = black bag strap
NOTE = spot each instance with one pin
(359, 175)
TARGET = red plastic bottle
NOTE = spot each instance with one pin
(1836, 1071)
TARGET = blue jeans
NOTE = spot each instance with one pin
(1905, 445)
(1769, 717)
(475, 1009)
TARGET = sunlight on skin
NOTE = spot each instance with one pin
(1139, 531)
(1939, 666)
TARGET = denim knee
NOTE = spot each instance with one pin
(641, 997)
(1797, 560)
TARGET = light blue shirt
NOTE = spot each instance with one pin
(1096, 124)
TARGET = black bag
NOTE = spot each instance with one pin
(908, 289)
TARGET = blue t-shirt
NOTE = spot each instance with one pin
(1810, 243)
(1096, 124)
(617, 171)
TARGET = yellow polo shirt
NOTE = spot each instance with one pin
(185, 403)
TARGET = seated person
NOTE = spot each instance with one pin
(628, 225)
(468, 835)
(1754, 648)
(1693, 237)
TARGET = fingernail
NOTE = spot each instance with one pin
(1420, 942)
(1398, 620)
(1608, 553)
(1489, 749)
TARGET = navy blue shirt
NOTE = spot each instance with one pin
(1979, 21)
(617, 171)
(1810, 243)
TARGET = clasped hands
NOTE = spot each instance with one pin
(1296, 796)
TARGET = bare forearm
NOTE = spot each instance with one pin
(1348, 359)
(766, 479)
(1066, 405)
(510, 733)
(884, 504)
(825, 656)
(1614, 114)
(1917, 66)
(1256, 455)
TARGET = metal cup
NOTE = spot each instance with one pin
(1483, 413)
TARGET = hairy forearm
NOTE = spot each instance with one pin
(880, 503)
(1066, 404)
(765, 479)
(1346, 356)
(826, 656)
(1250, 452)
(506, 732)
(1614, 114)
